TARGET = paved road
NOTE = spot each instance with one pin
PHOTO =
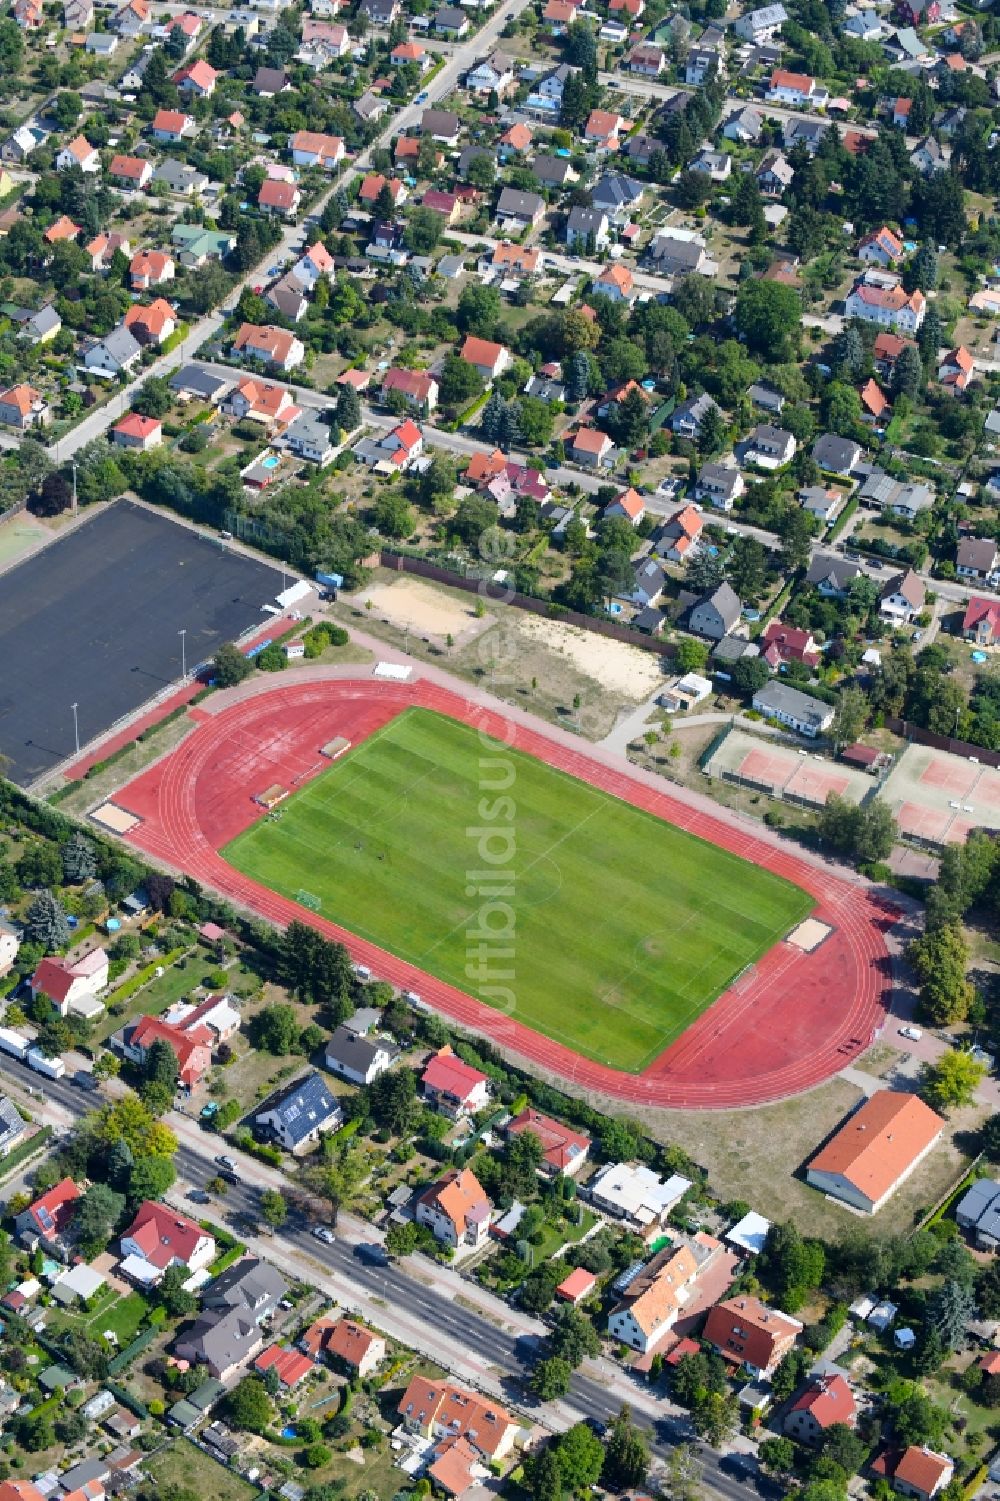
(479, 1338)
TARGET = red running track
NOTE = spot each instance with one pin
(795, 1020)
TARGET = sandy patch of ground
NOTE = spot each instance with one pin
(409, 603)
(617, 666)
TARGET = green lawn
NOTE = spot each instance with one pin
(183, 1464)
(625, 928)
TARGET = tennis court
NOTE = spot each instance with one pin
(939, 798)
(781, 771)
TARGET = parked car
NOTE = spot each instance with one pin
(198, 1196)
(224, 1161)
(913, 1033)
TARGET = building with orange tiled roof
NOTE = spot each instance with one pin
(578, 1285)
(617, 282)
(876, 1149)
(198, 78)
(150, 268)
(273, 346)
(290, 1366)
(439, 1409)
(653, 1300)
(172, 125)
(311, 148)
(23, 407)
(78, 153)
(746, 1332)
(564, 1151)
(133, 171)
(917, 1471)
(456, 1209)
(152, 324)
(513, 260)
(136, 431)
(62, 229)
(490, 359)
(347, 1341)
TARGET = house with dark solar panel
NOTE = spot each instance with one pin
(46, 1222)
(297, 1116)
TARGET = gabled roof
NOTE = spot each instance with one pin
(462, 1413)
(303, 1107)
(829, 1399)
(877, 1144)
(480, 351)
(164, 1235)
(53, 1210)
(351, 1341)
(560, 1144)
(134, 425)
(447, 1074)
(291, 1366)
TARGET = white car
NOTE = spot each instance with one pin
(325, 1234)
(913, 1033)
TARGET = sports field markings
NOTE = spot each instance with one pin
(649, 920)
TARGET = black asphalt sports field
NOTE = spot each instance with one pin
(93, 619)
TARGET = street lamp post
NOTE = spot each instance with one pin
(184, 671)
(76, 727)
(74, 487)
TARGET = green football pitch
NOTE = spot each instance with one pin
(624, 927)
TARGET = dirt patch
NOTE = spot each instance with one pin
(615, 665)
(413, 605)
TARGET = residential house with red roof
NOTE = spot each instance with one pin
(876, 405)
(373, 184)
(454, 1088)
(617, 282)
(198, 78)
(892, 307)
(261, 401)
(172, 125)
(515, 262)
(917, 1471)
(746, 1332)
(653, 1300)
(441, 1410)
(62, 229)
(981, 622)
(559, 15)
(876, 1149)
(901, 113)
(629, 505)
(131, 172)
(271, 345)
(72, 985)
(883, 247)
(782, 643)
(23, 407)
(418, 388)
(47, 1221)
(78, 153)
(160, 1237)
(795, 89)
(456, 1210)
(136, 431)
(192, 1049)
(603, 129)
(151, 323)
(564, 1151)
(823, 1402)
(678, 539)
(278, 197)
(150, 268)
(590, 447)
(290, 1366)
(956, 370)
(346, 1341)
(490, 359)
(102, 247)
(310, 148)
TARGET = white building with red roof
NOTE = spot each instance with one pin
(563, 1149)
(47, 1221)
(198, 78)
(261, 401)
(825, 1401)
(890, 307)
(72, 985)
(192, 1048)
(160, 1237)
(78, 153)
(418, 387)
(290, 1366)
(454, 1088)
(136, 431)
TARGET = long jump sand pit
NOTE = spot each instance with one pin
(410, 604)
(621, 668)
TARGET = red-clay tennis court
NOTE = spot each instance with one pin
(939, 798)
(792, 1021)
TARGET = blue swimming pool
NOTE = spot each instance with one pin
(615, 609)
(270, 462)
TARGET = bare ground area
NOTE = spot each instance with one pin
(562, 673)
